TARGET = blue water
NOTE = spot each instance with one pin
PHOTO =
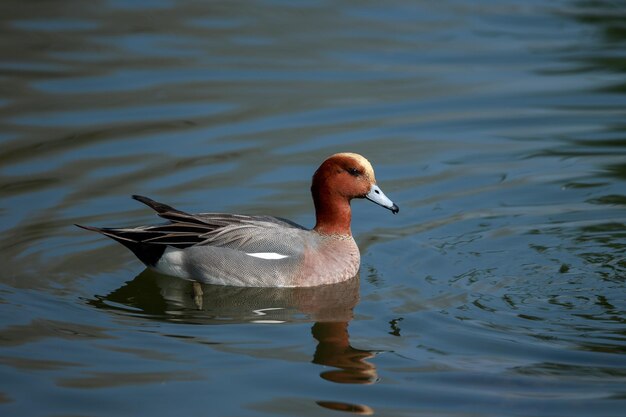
(497, 127)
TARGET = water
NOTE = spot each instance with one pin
(497, 127)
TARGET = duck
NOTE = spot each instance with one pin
(261, 251)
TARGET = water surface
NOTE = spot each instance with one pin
(497, 127)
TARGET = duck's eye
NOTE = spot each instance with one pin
(354, 171)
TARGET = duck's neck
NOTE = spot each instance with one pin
(332, 214)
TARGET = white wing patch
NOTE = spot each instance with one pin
(262, 312)
(267, 255)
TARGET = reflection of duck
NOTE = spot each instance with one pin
(329, 306)
(359, 409)
(261, 251)
(166, 297)
(334, 350)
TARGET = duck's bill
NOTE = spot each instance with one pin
(377, 196)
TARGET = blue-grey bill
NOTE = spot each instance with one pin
(377, 196)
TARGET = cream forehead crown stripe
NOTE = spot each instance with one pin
(361, 160)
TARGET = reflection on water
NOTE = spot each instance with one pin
(334, 350)
(330, 307)
(351, 408)
(168, 298)
(499, 290)
(160, 297)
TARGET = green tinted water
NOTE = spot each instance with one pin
(497, 127)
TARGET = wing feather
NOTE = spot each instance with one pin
(235, 231)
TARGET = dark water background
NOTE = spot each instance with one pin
(498, 127)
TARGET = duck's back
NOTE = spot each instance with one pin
(262, 251)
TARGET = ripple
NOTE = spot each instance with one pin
(57, 25)
(122, 115)
(497, 127)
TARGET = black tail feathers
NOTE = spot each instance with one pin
(147, 253)
(155, 205)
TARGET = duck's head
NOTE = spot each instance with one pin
(340, 178)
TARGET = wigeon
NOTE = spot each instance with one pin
(261, 251)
